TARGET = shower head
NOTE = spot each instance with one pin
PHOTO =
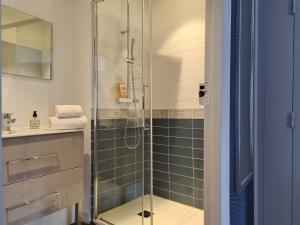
(132, 48)
(130, 58)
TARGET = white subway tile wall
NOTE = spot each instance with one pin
(113, 51)
(178, 53)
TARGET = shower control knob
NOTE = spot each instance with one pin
(202, 91)
(202, 94)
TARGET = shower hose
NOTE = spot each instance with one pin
(137, 143)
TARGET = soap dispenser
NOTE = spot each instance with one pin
(35, 121)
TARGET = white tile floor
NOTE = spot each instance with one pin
(166, 212)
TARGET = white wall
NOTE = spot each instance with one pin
(178, 53)
(81, 71)
(23, 95)
(71, 84)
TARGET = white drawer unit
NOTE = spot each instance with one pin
(42, 174)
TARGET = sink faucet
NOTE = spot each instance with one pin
(7, 120)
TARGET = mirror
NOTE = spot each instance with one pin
(26, 45)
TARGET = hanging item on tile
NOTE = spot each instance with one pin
(122, 90)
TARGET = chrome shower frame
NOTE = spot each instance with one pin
(129, 60)
(128, 50)
(95, 95)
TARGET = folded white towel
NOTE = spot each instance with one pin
(68, 111)
(67, 123)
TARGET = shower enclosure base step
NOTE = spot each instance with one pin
(166, 212)
(102, 222)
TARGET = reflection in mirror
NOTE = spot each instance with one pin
(26, 45)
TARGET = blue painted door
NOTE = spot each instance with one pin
(296, 109)
(275, 98)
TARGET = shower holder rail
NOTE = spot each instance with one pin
(126, 100)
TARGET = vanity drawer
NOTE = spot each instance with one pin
(35, 156)
(31, 199)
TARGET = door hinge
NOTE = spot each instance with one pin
(294, 7)
(292, 119)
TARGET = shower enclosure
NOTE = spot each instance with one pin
(121, 125)
(147, 146)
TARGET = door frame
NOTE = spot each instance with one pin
(1, 152)
(217, 113)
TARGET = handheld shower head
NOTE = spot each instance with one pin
(132, 48)
(130, 58)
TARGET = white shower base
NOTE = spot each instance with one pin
(166, 212)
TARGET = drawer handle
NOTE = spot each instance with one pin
(34, 200)
(56, 155)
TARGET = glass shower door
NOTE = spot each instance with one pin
(119, 116)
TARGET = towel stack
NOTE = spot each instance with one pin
(68, 117)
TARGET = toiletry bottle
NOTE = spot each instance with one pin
(35, 121)
(123, 92)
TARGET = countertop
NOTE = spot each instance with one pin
(28, 132)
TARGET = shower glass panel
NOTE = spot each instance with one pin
(121, 130)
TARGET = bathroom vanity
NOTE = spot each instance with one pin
(42, 174)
